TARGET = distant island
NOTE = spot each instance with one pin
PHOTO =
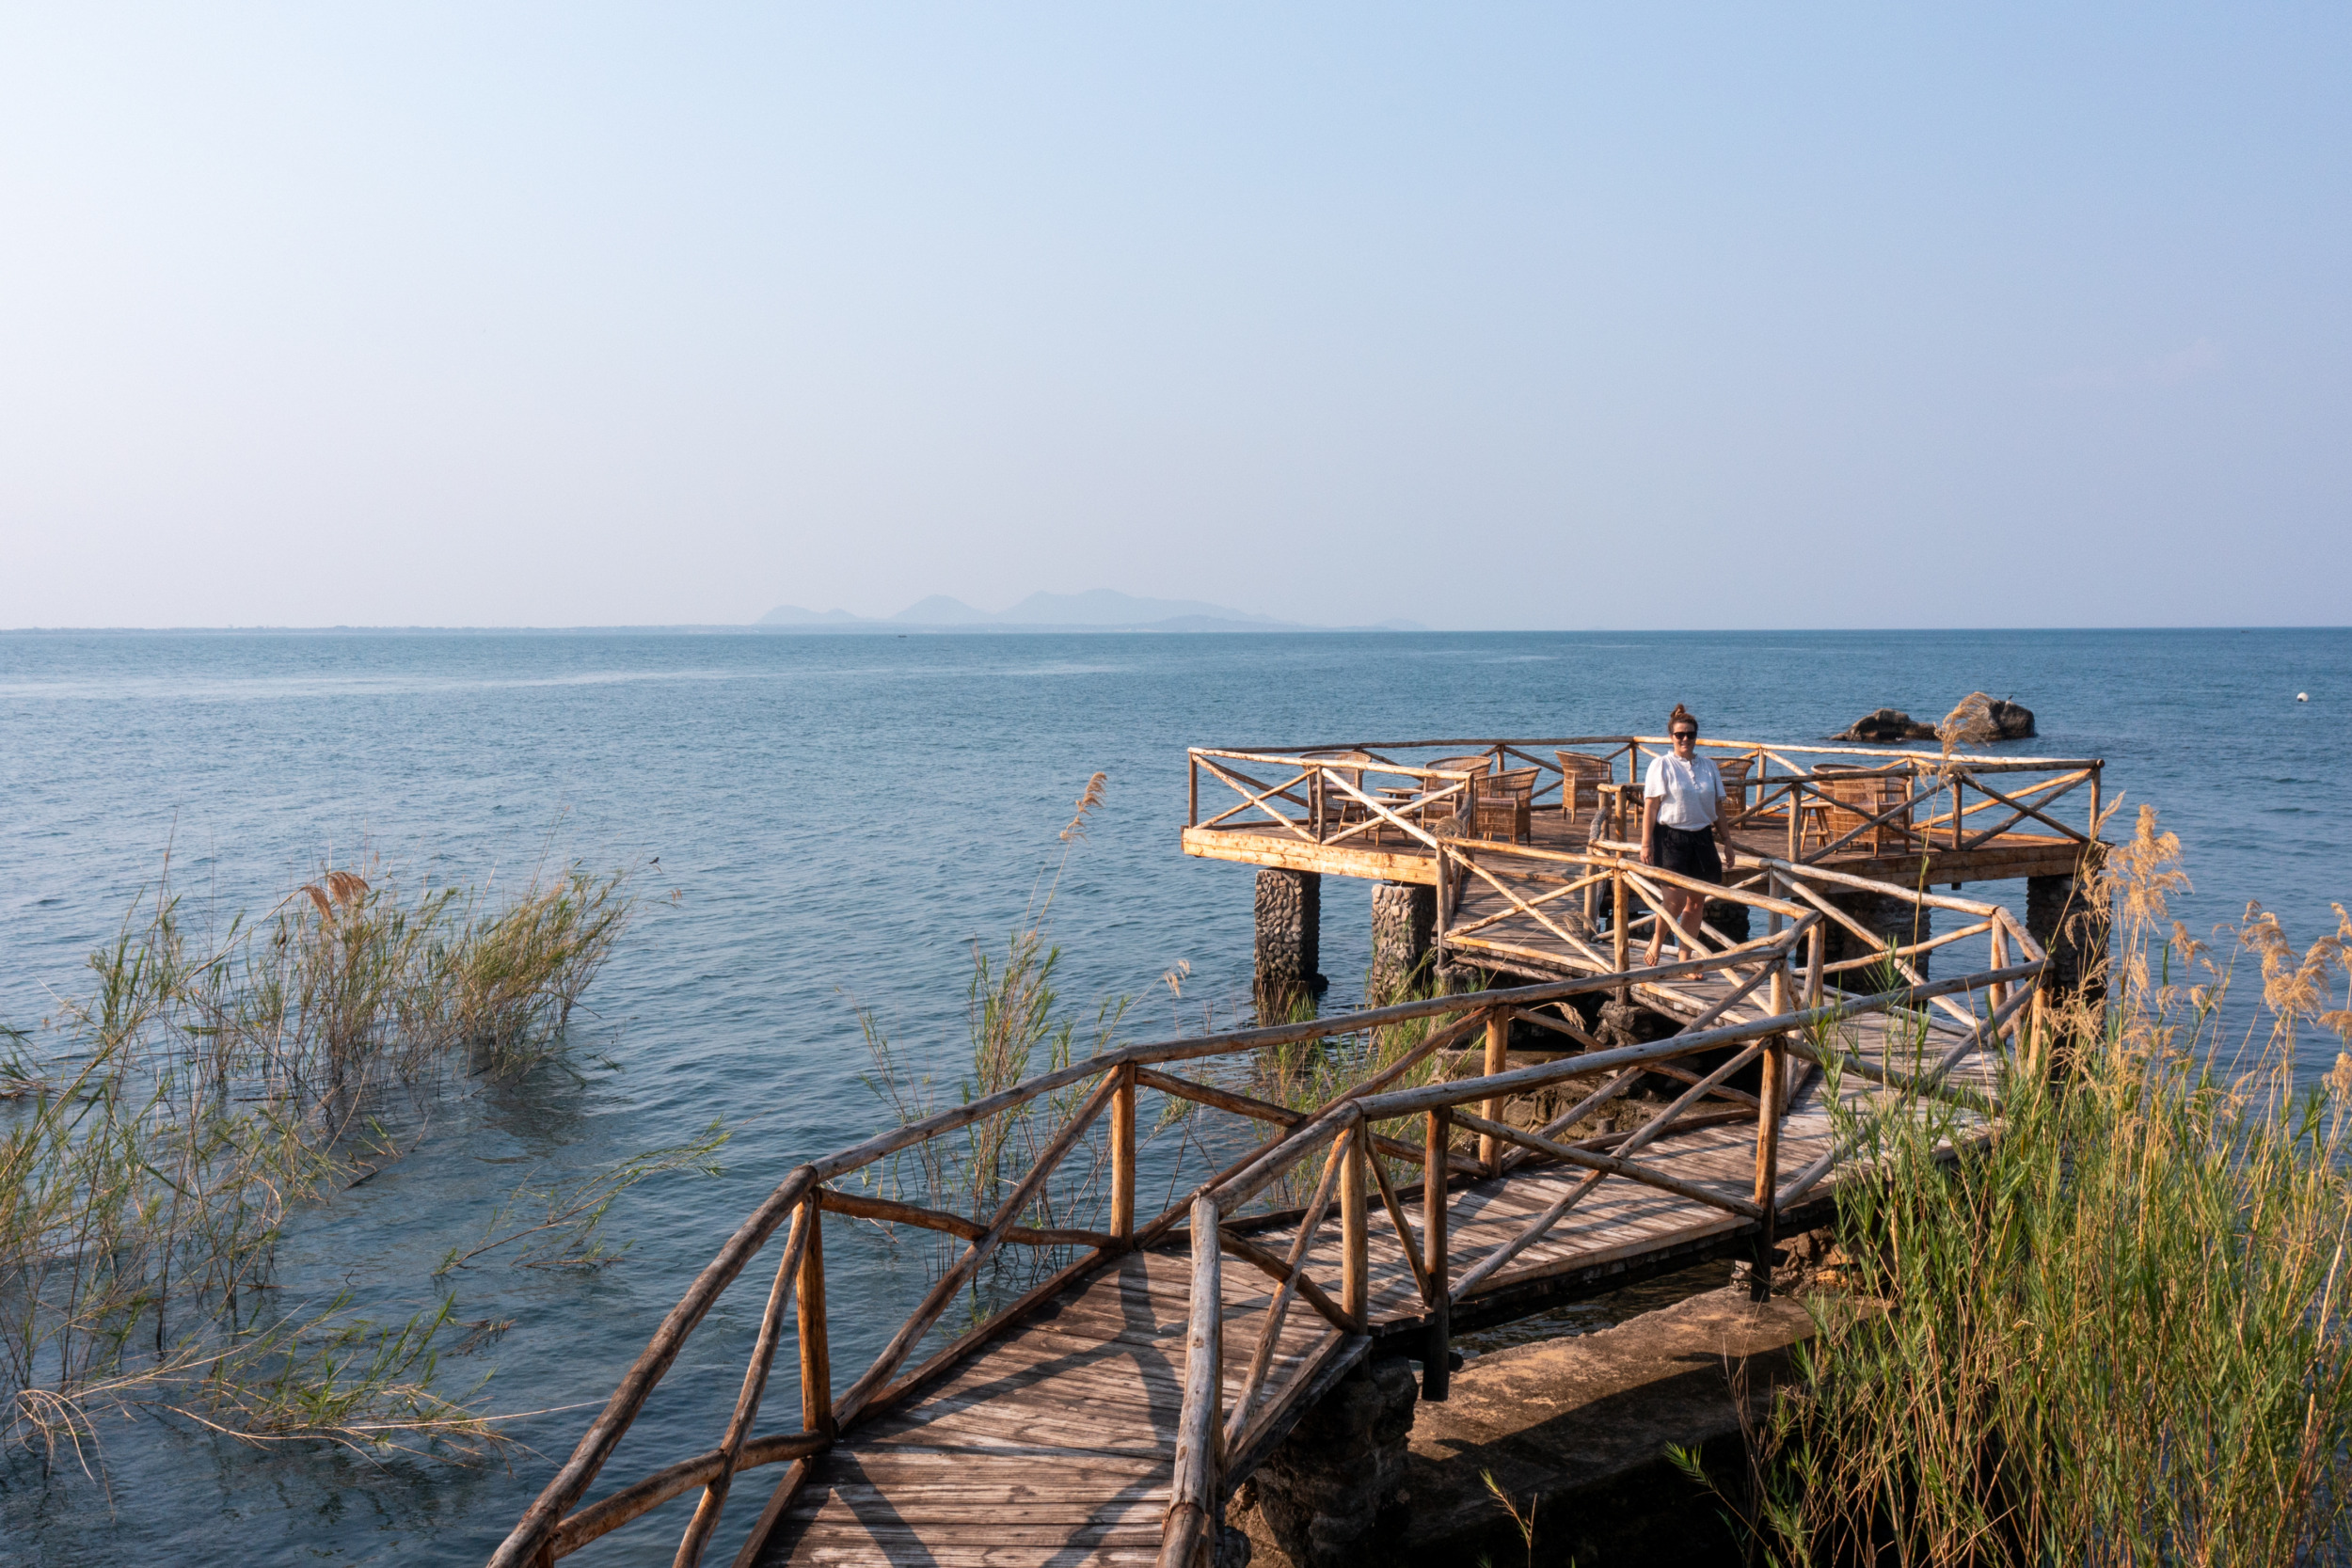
(1097, 610)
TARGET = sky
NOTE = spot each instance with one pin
(1482, 316)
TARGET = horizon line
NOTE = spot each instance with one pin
(1050, 629)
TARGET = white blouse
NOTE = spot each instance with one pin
(1692, 791)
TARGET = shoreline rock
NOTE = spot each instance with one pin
(1978, 719)
(1884, 726)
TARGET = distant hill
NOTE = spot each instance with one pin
(941, 611)
(1097, 610)
(1103, 607)
(793, 615)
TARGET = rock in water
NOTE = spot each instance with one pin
(1887, 724)
(1979, 719)
(2016, 722)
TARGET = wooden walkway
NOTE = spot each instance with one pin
(1075, 1425)
(1056, 1446)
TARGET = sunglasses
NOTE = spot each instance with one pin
(1685, 734)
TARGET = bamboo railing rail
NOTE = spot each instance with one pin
(1773, 1002)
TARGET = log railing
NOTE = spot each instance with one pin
(1457, 1079)
(1926, 801)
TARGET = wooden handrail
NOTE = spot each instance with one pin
(804, 1228)
(596, 1444)
(1776, 748)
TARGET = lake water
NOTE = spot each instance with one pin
(839, 817)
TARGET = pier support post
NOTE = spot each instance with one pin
(1290, 940)
(1727, 916)
(1437, 1355)
(1895, 920)
(2075, 933)
(1403, 923)
(1322, 1494)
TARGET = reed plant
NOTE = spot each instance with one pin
(209, 1084)
(1016, 1027)
(2117, 1332)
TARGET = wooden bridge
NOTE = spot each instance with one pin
(1476, 1159)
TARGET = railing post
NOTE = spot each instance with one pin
(1998, 993)
(816, 1351)
(1620, 949)
(1123, 1154)
(1769, 1092)
(1192, 783)
(1816, 949)
(1498, 1061)
(1437, 1353)
(2094, 834)
(1445, 909)
(1355, 1234)
(1188, 1539)
(2036, 1026)
(1796, 816)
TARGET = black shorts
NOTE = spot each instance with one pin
(1690, 851)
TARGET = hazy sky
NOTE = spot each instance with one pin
(1480, 315)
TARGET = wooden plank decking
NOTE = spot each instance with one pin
(1056, 1446)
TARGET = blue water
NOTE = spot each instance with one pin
(835, 820)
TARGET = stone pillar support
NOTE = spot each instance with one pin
(1404, 924)
(1290, 939)
(2076, 935)
(1320, 1496)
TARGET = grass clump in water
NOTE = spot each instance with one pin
(204, 1089)
(2118, 1333)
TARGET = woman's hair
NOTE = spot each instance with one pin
(1678, 716)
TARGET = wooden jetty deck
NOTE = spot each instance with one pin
(1106, 1415)
(1379, 810)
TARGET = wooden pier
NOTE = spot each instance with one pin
(1485, 1163)
(1501, 830)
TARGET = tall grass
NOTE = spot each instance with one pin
(1016, 1027)
(203, 1088)
(2119, 1332)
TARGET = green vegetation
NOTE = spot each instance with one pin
(205, 1090)
(2119, 1334)
(1017, 1029)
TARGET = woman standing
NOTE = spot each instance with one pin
(1682, 800)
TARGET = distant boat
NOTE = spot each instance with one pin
(2302, 696)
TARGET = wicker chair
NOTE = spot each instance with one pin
(1735, 772)
(1581, 778)
(1431, 813)
(1340, 810)
(1504, 806)
(1852, 802)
